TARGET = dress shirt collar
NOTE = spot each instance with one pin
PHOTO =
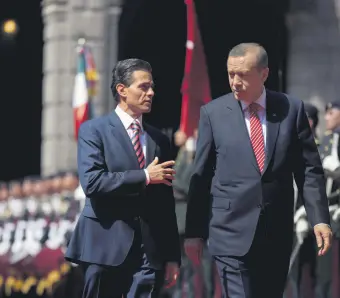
(126, 118)
(261, 101)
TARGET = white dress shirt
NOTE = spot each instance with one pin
(261, 113)
(127, 120)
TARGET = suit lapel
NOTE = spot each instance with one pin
(150, 144)
(237, 118)
(273, 125)
(119, 132)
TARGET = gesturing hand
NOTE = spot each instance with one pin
(161, 173)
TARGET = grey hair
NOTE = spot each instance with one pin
(242, 49)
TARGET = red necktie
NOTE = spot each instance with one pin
(136, 130)
(256, 135)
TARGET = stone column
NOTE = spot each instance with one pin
(56, 88)
(114, 12)
(314, 60)
(65, 22)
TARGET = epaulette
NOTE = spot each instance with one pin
(9, 284)
(328, 132)
(42, 287)
(18, 285)
(317, 142)
(28, 284)
(64, 268)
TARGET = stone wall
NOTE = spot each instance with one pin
(314, 60)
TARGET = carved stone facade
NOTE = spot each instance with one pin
(65, 21)
(314, 60)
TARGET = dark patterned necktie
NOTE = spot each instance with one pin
(136, 131)
(256, 135)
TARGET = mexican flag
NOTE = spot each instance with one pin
(84, 86)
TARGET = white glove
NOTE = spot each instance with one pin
(331, 163)
(300, 213)
(301, 230)
(336, 212)
(79, 194)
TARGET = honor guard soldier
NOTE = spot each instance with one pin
(330, 152)
(304, 261)
(313, 118)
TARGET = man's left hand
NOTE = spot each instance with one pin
(171, 274)
(323, 234)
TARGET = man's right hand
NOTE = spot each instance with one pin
(161, 173)
(194, 250)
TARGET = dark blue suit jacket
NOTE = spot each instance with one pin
(118, 201)
(226, 179)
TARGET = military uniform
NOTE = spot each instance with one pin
(303, 269)
(324, 264)
(326, 145)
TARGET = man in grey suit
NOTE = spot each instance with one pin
(252, 143)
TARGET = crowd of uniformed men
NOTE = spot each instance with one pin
(37, 216)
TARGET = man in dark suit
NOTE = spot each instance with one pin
(126, 237)
(251, 145)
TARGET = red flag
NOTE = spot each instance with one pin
(195, 86)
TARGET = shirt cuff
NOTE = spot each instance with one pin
(147, 176)
(323, 224)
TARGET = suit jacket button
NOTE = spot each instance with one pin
(259, 206)
(136, 218)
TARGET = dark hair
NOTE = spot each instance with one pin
(312, 113)
(122, 73)
(3, 184)
(242, 49)
(13, 183)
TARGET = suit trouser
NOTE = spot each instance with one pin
(261, 273)
(134, 278)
